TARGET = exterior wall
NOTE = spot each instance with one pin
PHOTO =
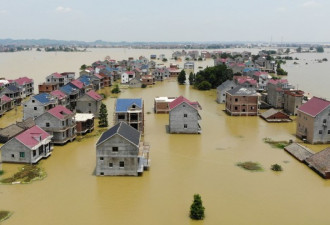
(242, 105)
(135, 83)
(161, 107)
(305, 127)
(322, 127)
(127, 152)
(85, 126)
(178, 123)
(34, 108)
(292, 103)
(221, 92)
(86, 104)
(275, 97)
(10, 152)
(47, 88)
(136, 123)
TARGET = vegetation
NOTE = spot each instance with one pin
(83, 67)
(164, 60)
(319, 49)
(213, 77)
(287, 51)
(143, 86)
(276, 167)
(182, 77)
(116, 89)
(197, 209)
(103, 116)
(252, 166)
(1, 172)
(4, 215)
(299, 49)
(26, 174)
(191, 78)
(276, 144)
(279, 70)
(324, 59)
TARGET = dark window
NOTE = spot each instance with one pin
(133, 106)
(101, 173)
(101, 158)
(324, 121)
(47, 124)
(34, 153)
(121, 117)
(33, 101)
(35, 108)
(12, 155)
(89, 104)
(320, 131)
(328, 131)
(110, 165)
(236, 99)
(183, 105)
(185, 125)
(115, 149)
(185, 115)
(252, 107)
(62, 123)
(121, 164)
(235, 107)
(21, 155)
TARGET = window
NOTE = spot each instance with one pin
(324, 121)
(121, 164)
(33, 101)
(328, 131)
(115, 149)
(101, 173)
(185, 125)
(236, 108)
(12, 155)
(101, 158)
(185, 115)
(21, 155)
(110, 165)
(89, 104)
(35, 108)
(121, 117)
(252, 107)
(47, 125)
(320, 131)
(236, 99)
(34, 153)
(62, 123)
(183, 105)
(133, 106)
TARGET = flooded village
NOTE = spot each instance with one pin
(165, 141)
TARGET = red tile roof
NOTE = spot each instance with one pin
(283, 81)
(77, 83)
(5, 98)
(23, 80)
(60, 112)
(182, 99)
(314, 106)
(32, 137)
(59, 94)
(94, 95)
(57, 75)
(98, 76)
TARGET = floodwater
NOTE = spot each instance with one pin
(181, 165)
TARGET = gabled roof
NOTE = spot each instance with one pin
(57, 75)
(182, 99)
(68, 89)
(60, 112)
(129, 133)
(94, 95)
(226, 84)
(279, 81)
(123, 104)
(32, 136)
(43, 98)
(273, 112)
(13, 88)
(23, 80)
(5, 98)
(59, 94)
(314, 106)
(320, 161)
(242, 91)
(85, 79)
(77, 83)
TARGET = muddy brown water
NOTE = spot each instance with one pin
(181, 165)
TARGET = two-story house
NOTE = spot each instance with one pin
(90, 103)
(38, 104)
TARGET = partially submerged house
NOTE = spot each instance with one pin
(275, 116)
(28, 147)
(184, 116)
(26, 85)
(131, 111)
(48, 87)
(59, 122)
(120, 152)
(320, 162)
(161, 104)
(12, 130)
(313, 121)
(135, 83)
(38, 104)
(89, 103)
(292, 101)
(84, 123)
(223, 88)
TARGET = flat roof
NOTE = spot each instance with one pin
(165, 99)
(83, 116)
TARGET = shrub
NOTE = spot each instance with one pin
(204, 85)
(1, 172)
(197, 209)
(252, 166)
(276, 167)
(115, 90)
(143, 86)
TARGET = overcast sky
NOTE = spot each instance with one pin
(167, 20)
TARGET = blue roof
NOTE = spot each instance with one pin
(13, 88)
(67, 89)
(144, 67)
(247, 69)
(43, 98)
(123, 104)
(85, 79)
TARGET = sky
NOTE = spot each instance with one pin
(167, 20)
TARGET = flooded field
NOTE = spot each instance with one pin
(181, 165)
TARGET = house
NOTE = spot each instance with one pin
(276, 116)
(242, 101)
(38, 104)
(6, 104)
(265, 65)
(320, 162)
(152, 64)
(153, 56)
(62, 98)
(223, 88)
(246, 81)
(161, 104)
(184, 116)
(14, 92)
(28, 147)
(26, 85)
(77, 84)
(135, 83)
(275, 90)
(89, 103)
(98, 81)
(106, 79)
(189, 66)
(147, 80)
(84, 123)
(127, 76)
(72, 93)
(58, 78)
(161, 74)
(292, 101)
(313, 121)
(48, 87)
(174, 72)
(131, 111)
(120, 152)
(59, 122)
(12, 130)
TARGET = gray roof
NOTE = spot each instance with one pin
(271, 112)
(226, 84)
(124, 130)
(320, 161)
(242, 91)
(11, 131)
(298, 151)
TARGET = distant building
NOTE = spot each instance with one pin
(189, 66)
(275, 90)
(131, 111)
(223, 88)
(120, 152)
(26, 85)
(147, 80)
(184, 116)
(292, 101)
(14, 92)
(27, 147)
(313, 121)
(135, 83)
(62, 98)
(242, 101)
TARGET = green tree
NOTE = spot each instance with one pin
(191, 78)
(287, 51)
(299, 49)
(115, 90)
(276, 167)
(204, 85)
(103, 116)
(182, 77)
(83, 67)
(319, 49)
(197, 209)
(164, 60)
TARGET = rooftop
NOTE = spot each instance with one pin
(60, 112)
(123, 104)
(59, 94)
(242, 91)
(314, 106)
(80, 117)
(300, 152)
(32, 136)
(320, 161)
(182, 99)
(44, 98)
(94, 95)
